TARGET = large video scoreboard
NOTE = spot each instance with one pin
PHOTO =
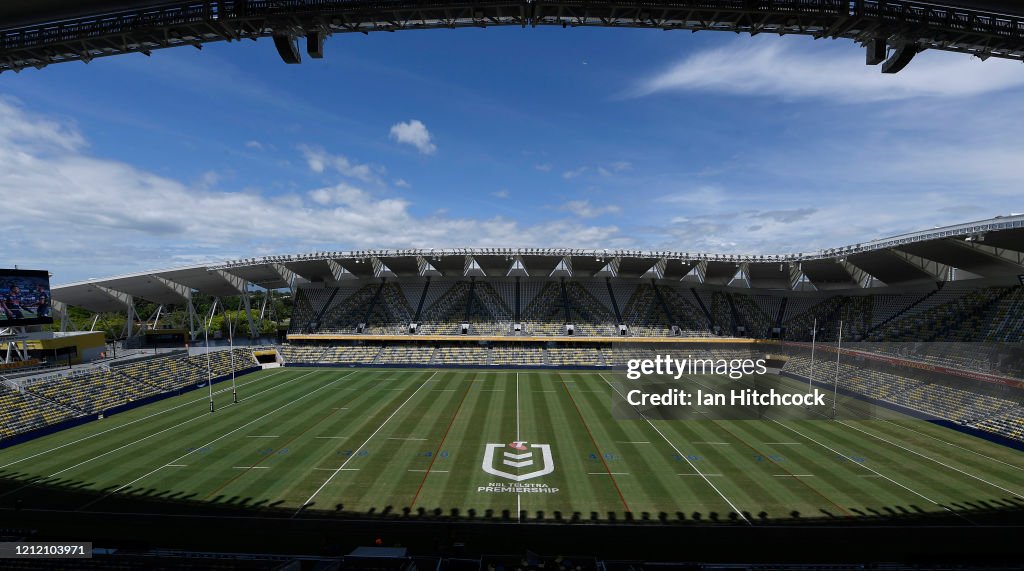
(25, 298)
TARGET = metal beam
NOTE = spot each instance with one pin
(938, 271)
(181, 289)
(339, 272)
(1003, 255)
(859, 276)
(698, 273)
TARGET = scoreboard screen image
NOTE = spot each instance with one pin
(25, 298)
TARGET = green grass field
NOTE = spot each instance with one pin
(376, 441)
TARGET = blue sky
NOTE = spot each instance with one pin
(498, 137)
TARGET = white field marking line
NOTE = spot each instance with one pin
(343, 470)
(518, 436)
(692, 466)
(940, 463)
(891, 443)
(1014, 466)
(519, 501)
(177, 465)
(119, 448)
(944, 442)
(221, 437)
(361, 446)
(111, 429)
(251, 467)
(698, 475)
(340, 408)
(868, 468)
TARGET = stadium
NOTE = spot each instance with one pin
(397, 367)
(854, 406)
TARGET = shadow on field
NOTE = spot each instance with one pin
(20, 491)
(68, 509)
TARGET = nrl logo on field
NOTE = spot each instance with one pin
(518, 454)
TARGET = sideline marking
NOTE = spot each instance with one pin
(1018, 494)
(1014, 466)
(873, 471)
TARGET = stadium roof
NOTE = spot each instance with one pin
(988, 249)
(37, 33)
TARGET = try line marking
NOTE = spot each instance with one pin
(144, 438)
(219, 438)
(119, 427)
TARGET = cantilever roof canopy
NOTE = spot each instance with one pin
(38, 33)
(24, 12)
(988, 249)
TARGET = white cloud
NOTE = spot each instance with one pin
(414, 133)
(705, 195)
(123, 218)
(584, 209)
(503, 193)
(320, 161)
(401, 183)
(543, 167)
(209, 179)
(255, 145)
(614, 168)
(571, 174)
(791, 68)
